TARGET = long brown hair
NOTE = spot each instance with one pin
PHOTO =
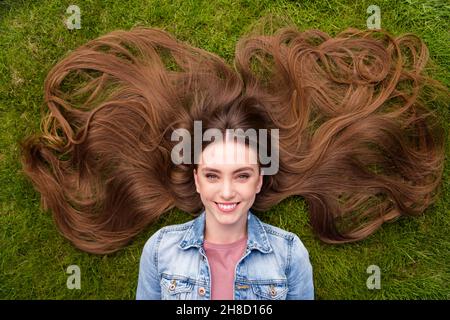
(356, 139)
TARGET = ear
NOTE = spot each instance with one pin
(196, 181)
(260, 182)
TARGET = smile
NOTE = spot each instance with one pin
(229, 207)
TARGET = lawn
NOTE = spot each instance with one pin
(413, 254)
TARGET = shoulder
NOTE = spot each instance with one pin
(171, 233)
(288, 240)
(276, 232)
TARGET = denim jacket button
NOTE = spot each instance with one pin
(201, 291)
(273, 291)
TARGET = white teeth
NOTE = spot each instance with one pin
(227, 207)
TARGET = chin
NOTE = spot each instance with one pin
(229, 219)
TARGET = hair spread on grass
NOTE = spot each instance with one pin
(356, 139)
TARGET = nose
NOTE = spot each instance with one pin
(227, 191)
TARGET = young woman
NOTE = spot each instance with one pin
(356, 140)
(227, 252)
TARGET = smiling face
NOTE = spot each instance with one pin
(227, 182)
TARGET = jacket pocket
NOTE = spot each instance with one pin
(270, 291)
(176, 288)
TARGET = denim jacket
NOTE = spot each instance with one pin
(174, 266)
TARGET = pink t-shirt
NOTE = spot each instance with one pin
(222, 260)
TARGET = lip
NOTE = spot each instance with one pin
(227, 211)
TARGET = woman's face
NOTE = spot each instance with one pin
(228, 179)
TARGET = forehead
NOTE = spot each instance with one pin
(228, 155)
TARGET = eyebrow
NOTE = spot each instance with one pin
(235, 171)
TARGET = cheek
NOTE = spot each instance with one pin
(247, 190)
(206, 190)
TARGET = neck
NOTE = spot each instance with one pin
(224, 234)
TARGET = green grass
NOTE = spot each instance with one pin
(413, 254)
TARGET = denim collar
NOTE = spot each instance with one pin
(257, 236)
